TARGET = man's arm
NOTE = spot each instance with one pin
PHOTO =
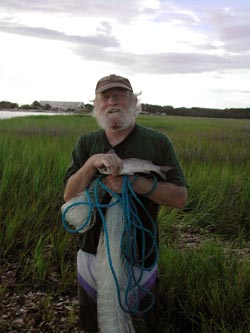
(78, 182)
(166, 194)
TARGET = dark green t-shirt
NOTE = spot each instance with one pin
(142, 143)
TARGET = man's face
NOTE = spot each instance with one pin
(115, 109)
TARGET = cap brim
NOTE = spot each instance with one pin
(112, 85)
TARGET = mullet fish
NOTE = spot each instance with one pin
(132, 166)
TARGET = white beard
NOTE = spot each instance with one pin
(116, 121)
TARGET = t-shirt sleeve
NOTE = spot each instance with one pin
(78, 158)
(169, 158)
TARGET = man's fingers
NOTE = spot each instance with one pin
(114, 169)
(106, 163)
(113, 163)
(120, 164)
(113, 183)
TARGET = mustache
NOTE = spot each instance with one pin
(113, 110)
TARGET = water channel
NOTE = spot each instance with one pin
(6, 114)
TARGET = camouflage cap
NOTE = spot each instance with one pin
(112, 81)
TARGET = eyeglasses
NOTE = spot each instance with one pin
(116, 96)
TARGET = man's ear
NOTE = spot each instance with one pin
(134, 100)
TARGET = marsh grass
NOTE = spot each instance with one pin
(203, 289)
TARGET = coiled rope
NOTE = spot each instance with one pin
(132, 227)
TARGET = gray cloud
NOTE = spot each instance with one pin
(230, 27)
(224, 22)
(96, 48)
(166, 63)
(101, 39)
(122, 10)
(227, 28)
(236, 37)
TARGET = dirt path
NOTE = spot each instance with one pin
(26, 307)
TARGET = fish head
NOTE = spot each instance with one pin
(105, 170)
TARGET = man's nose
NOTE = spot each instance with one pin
(112, 100)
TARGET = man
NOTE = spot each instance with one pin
(115, 109)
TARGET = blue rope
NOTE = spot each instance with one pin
(91, 205)
(132, 228)
(87, 203)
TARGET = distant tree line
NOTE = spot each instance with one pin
(240, 113)
(5, 105)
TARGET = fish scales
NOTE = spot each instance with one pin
(132, 166)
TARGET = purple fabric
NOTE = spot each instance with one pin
(93, 293)
(89, 290)
(148, 285)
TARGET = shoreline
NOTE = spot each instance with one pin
(38, 111)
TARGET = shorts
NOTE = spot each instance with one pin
(144, 323)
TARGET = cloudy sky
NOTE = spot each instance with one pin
(180, 53)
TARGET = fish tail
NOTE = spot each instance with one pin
(163, 170)
(166, 168)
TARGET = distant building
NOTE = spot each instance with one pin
(63, 105)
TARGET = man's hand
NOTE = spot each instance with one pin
(113, 183)
(78, 182)
(109, 160)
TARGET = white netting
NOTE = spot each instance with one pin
(77, 211)
(111, 318)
